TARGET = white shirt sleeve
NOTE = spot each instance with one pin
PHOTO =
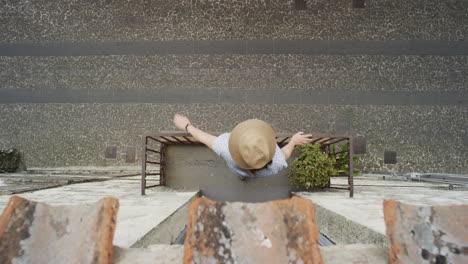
(219, 144)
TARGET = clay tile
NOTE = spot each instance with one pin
(282, 231)
(33, 232)
(426, 234)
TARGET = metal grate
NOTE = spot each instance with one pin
(154, 150)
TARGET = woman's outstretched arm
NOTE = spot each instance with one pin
(181, 123)
(298, 139)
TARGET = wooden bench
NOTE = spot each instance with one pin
(155, 146)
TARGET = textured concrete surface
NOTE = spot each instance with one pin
(242, 47)
(198, 167)
(44, 20)
(133, 75)
(172, 254)
(360, 219)
(32, 232)
(14, 183)
(240, 96)
(137, 214)
(426, 138)
(355, 254)
(88, 170)
(167, 231)
(281, 231)
(344, 231)
(154, 254)
(415, 105)
(434, 234)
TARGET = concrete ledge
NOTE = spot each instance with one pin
(171, 254)
(85, 170)
(346, 231)
(356, 253)
(168, 230)
(155, 254)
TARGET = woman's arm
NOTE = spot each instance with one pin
(298, 139)
(181, 122)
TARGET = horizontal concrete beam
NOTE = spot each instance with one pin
(306, 47)
(214, 96)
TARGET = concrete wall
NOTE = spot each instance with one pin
(77, 80)
(198, 167)
(78, 134)
(43, 20)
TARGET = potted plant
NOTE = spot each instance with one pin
(312, 168)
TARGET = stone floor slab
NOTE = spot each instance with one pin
(426, 234)
(33, 232)
(281, 231)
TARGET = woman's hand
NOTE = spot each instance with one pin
(301, 139)
(181, 121)
(298, 139)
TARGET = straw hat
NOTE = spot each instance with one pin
(252, 144)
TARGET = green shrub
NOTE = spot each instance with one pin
(312, 168)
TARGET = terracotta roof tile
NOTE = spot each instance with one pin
(33, 232)
(426, 234)
(282, 231)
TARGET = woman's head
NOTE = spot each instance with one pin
(252, 144)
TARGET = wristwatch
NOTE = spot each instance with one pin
(186, 126)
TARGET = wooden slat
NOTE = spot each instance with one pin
(168, 140)
(157, 140)
(180, 141)
(341, 188)
(281, 142)
(323, 140)
(152, 186)
(188, 139)
(335, 141)
(315, 140)
(152, 150)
